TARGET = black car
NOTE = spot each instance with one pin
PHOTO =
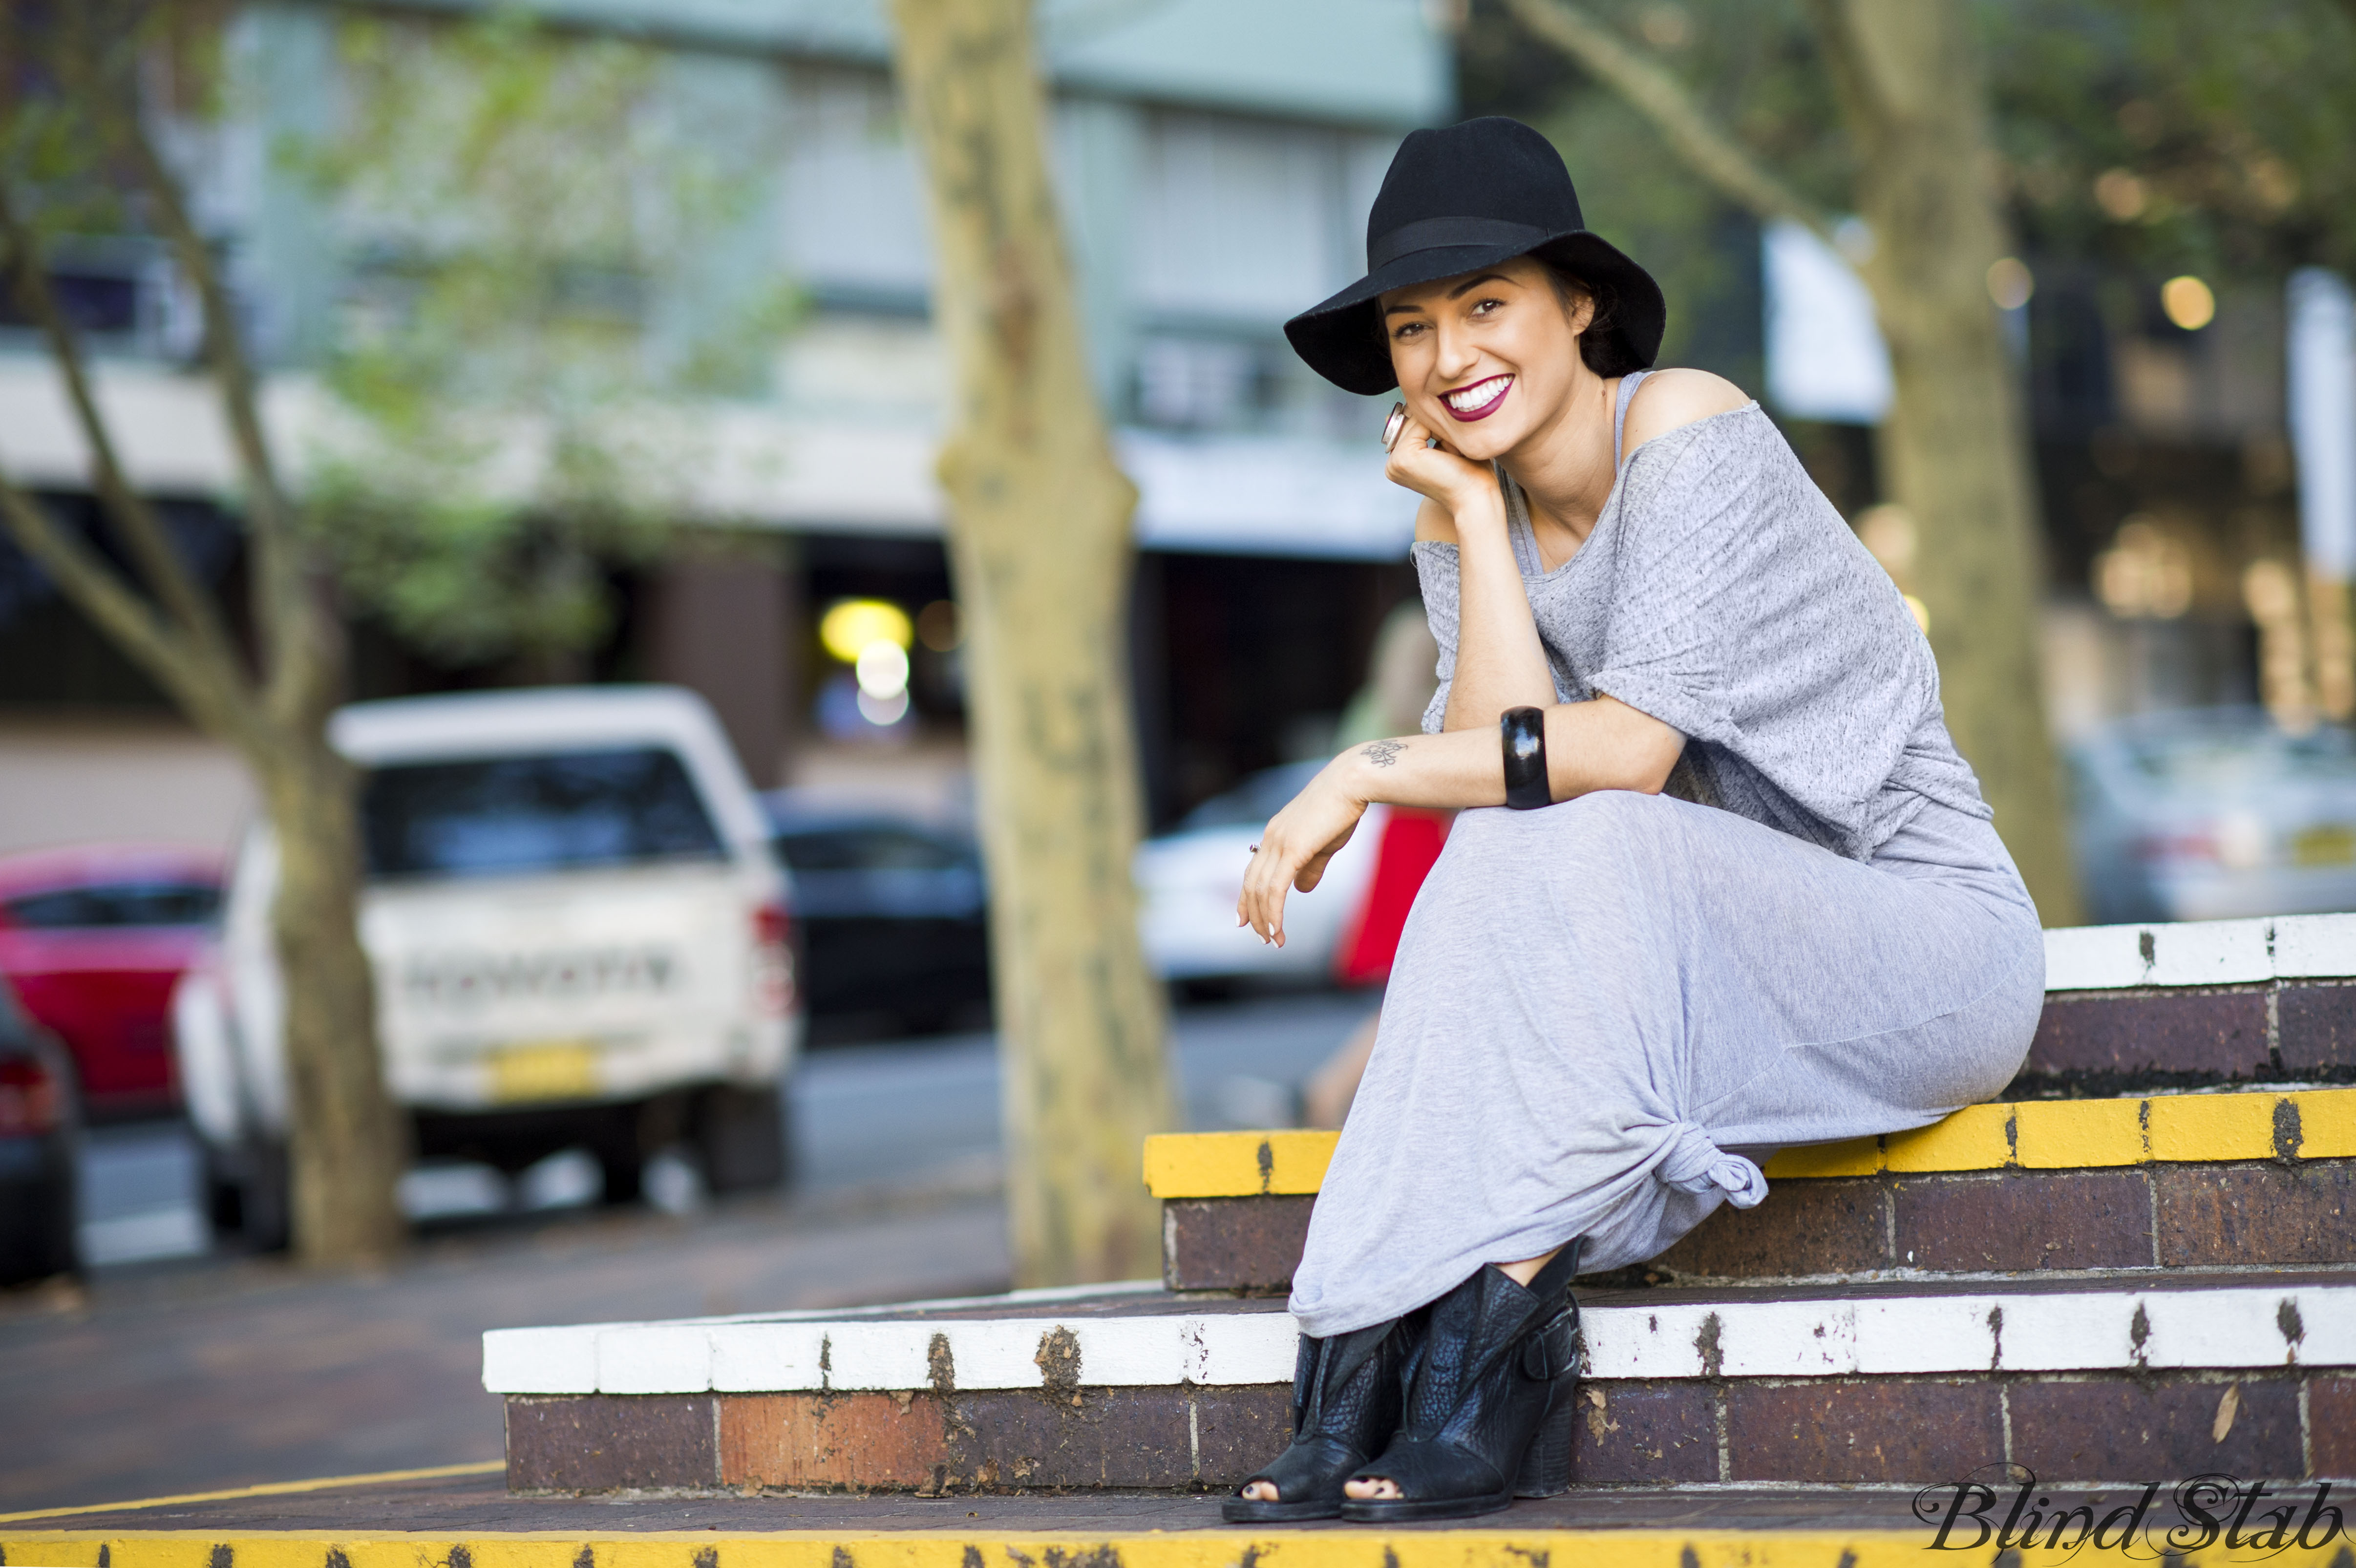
(893, 922)
(40, 1129)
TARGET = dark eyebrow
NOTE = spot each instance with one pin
(1459, 291)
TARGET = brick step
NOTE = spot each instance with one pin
(2197, 1180)
(2207, 1002)
(2089, 1381)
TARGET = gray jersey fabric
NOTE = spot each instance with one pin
(1606, 1012)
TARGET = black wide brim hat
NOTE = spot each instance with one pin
(1455, 201)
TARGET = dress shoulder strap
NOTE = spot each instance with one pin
(1628, 384)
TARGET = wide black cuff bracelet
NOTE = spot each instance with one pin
(1523, 732)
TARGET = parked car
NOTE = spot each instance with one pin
(1189, 878)
(2214, 813)
(579, 935)
(93, 939)
(40, 1131)
(893, 916)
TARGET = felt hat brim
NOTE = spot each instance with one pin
(1342, 338)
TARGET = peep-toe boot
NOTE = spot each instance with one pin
(1488, 1414)
(1346, 1404)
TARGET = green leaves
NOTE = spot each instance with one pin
(524, 331)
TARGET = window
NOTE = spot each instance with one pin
(556, 812)
(116, 904)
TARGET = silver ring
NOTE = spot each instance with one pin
(1393, 425)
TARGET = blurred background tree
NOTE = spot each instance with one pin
(532, 319)
(510, 406)
(1040, 540)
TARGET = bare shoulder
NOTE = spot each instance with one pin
(1668, 399)
(1433, 524)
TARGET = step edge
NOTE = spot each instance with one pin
(2305, 1327)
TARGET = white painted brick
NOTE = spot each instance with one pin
(766, 1358)
(1003, 1354)
(1131, 1352)
(1243, 1347)
(2213, 952)
(654, 1359)
(2218, 1328)
(540, 1360)
(1924, 1334)
(1788, 1339)
(1644, 1342)
(886, 1355)
(2320, 946)
(1830, 1336)
(2095, 958)
(2327, 1324)
(2067, 1331)
(2190, 952)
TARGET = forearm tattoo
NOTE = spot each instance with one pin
(1383, 753)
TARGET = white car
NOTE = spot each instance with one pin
(1188, 880)
(2212, 814)
(580, 937)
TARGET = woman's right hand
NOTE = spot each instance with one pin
(1439, 472)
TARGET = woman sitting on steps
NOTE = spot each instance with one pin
(1744, 893)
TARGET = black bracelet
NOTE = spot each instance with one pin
(1522, 731)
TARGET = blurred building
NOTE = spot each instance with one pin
(1215, 158)
(2192, 445)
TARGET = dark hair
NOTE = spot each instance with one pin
(1600, 349)
(1597, 344)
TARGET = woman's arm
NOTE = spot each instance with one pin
(1500, 663)
(1599, 745)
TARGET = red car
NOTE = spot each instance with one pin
(94, 938)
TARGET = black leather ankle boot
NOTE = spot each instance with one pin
(1489, 1402)
(1346, 1404)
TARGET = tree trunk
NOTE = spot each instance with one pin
(348, 1144)
(1040, 545)
(1955, 450)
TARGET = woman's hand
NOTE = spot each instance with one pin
(1295, 848)
(1439, 472)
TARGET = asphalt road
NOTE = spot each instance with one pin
(180, 1368)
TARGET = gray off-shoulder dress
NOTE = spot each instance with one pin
(1605, 1013)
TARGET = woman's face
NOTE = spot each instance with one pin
(1487, 358)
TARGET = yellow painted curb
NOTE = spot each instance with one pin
(1210, 1548)
(1236, 1164)
(2034, 1135)
(271, 1489)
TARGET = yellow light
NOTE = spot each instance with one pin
(1921, 613)
(2010, 282)
(2189, 303)
(851, 626)
(2121, 195)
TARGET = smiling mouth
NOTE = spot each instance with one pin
(1480, 400)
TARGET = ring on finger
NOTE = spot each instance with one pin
(1393, 425)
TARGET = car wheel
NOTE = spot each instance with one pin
(741, 1140)
(37, 1241)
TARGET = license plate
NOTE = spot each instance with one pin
(545, 1069)
(2332, 846)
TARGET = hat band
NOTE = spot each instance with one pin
(1438, 233)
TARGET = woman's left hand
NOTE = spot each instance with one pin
(1294, 849)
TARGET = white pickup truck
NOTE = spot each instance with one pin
(580, 936)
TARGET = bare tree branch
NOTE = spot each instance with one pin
(1660, 96)
(1864, 107)
(100, 593)
(294, 625)
(143, 532)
